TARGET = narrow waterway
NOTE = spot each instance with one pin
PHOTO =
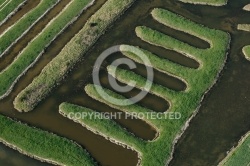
(12, 53)
(224, 116)
(28, 6)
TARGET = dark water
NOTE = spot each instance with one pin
(28, 6)
(224, 110)
(9, 56)
(224, 116)
(9, 157)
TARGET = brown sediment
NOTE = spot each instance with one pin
(22, 12)
(183, 36)
(33, 63)
(88, 37)
(150, 101)
(18, 13)
(134, 125)
(161, 78)
(18, 8)
(20, 150)
(9, 55)
(169, 55)
(27, 30)
(117, 142)
(26, 153)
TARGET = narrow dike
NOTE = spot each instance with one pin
(160, 78)
(42, 145)
(5, 15)
(133, 125)
(158, 151)
(19, 13)
(150, 101)
(63, 62)
(167, 54)
(180, 35)
(10, 55)
(29, 56)
(15, 32)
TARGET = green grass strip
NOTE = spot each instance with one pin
(160, 64)
(199, 80)
(15, 31)
(206, 2)
(159, 39)
(156, 89)
(180, 23)
(56, 70)
(91, 91)
(239, 155)
(9, 8)
(98, 124)
(29, 55)
(42, 145)
(210, 59)
(246, 51)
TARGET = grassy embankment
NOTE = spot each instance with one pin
(247, 7)
(42, 145)
(57, 69)
(29, 55)
(12, 34)
(199, 81)
(106, 127)
(239, 155)
(4, 3)
(9, 7)
(206, 2)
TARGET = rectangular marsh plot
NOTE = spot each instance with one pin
(104, 127)
(207, 2)
(13, 33)
(36, 47)
(199, 80)
(42, 145)
(9, 7)
(57, 69)
(239, 155)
